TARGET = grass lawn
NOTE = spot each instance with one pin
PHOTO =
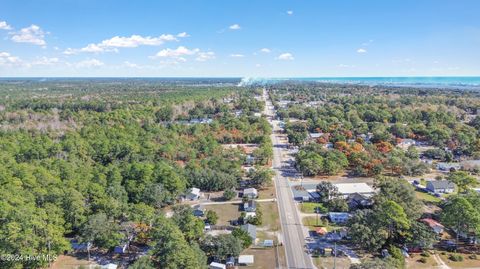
(427, 197)
(311, 224)
(309, 207)
(225, 212)
(263, 258)
(270, 215)
(466, 263)
(267, 192)
(413, 262)
(327, 262)
(70, 262)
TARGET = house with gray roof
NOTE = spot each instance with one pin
(440, 186)
(251, 230)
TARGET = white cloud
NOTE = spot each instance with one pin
(46, 61)
(258, 65)
(179, 54)
(32, 34)
(265, 50)
(205, 56)
(235, 27)
(285, 57)
(176, 53)
(362, 50)
(89, 63)
(289, 12)
(133, 41)
(237, 55)
(5, 26)
(183, 34)
(8, 59)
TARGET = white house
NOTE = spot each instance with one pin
(250, 193)
(193, 194)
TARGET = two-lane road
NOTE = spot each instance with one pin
(292, 228)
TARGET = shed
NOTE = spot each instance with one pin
(268, 243)
(246, 259)
(217, 265)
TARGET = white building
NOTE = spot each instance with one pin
(250, 193)
(193, 194)
(246, 259)
(346, 189)
(216, 265)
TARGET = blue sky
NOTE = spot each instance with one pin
(239, 38)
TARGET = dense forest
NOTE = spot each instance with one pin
(96, 161)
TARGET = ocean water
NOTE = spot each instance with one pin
(459, 82)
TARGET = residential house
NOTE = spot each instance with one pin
(251, 193)
(246, 260)
(216, 265)
(440, 186)
(198, 210)
(314, 136)
(406, 143)
(193, 194)
(338, 217)
(251, 230)
(471, 165)
(250, 206)
(435, 225)
(448, 166)
(358, 201)
(301, 194)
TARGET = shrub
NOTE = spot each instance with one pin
(425, 254)
(456, 257)
(229, 194)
